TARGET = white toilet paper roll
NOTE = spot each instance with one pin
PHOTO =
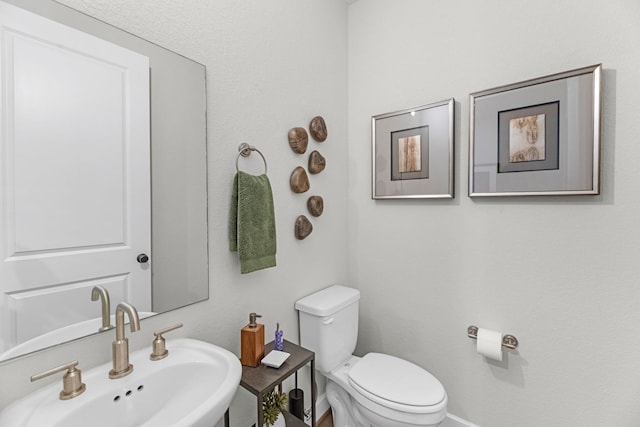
(490, 344)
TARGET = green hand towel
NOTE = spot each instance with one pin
(252, 226)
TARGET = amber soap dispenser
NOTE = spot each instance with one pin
(252, 342)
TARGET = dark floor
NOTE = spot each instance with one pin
(325, 420)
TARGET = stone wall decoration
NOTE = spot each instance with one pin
(299, 180)
(317, 162)
(298, 139)
(318, 129)
(303, 227)
(315, 204)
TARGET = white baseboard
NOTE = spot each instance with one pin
(453, 421)
(322, 406)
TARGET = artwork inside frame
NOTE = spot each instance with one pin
(528, 138)
(412, 152)
(537, 137)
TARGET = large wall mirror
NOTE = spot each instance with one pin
(103, 188)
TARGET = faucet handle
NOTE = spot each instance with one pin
(159, 343)
(72, 384)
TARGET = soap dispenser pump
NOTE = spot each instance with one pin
(252, 342)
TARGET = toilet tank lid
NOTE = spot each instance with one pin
(328, 301)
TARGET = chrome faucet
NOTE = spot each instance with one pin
(120, 346)
(100, 292)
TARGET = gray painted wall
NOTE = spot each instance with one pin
(559, 273)
(271, 66)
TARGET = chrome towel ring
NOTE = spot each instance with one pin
(245, 150)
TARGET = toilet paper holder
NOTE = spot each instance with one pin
(508, 341)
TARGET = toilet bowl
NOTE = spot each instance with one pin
(386, 391)
(376, 390)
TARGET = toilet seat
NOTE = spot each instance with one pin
(376, 377)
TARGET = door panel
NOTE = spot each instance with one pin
(52, 306)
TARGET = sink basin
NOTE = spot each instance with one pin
(192, 387)
(64, 334)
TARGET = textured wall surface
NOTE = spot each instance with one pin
(271, 66)
(559, 273)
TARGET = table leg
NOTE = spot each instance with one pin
(260, 422)
(313, 393)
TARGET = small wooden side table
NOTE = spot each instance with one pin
(262, 379)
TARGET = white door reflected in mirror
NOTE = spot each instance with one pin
(71, 99)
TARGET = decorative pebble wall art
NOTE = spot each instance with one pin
(299, 180)
(303, 227)
(318, 129)
(315, 204)
(298, 140)
(317, 162)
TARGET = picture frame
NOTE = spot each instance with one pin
(538, 137)
(412, 152)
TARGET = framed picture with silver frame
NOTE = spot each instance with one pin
(537, 137)
(412, 152)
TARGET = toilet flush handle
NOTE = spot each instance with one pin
(328, 321)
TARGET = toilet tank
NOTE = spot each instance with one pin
(329, 325)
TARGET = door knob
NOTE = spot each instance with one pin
(142, 258)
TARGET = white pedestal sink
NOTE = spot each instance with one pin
(192, 387)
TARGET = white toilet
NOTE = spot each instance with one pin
(376, 390)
